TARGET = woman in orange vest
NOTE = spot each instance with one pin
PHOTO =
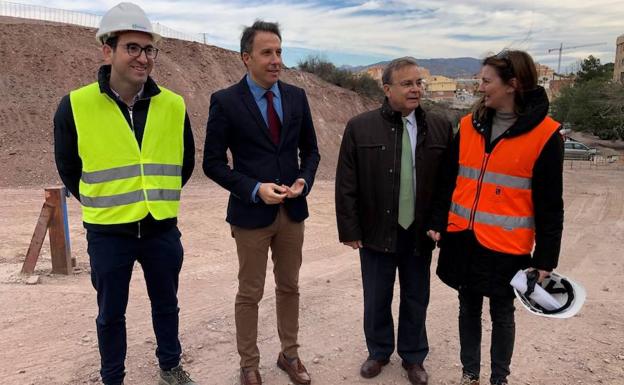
(500, 206)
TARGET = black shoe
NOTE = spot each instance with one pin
(372, 368)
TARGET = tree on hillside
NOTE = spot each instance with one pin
(592, 69)
(363, 84)
(320, 67)
(594, 103)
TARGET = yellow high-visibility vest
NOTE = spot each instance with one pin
(122, 183)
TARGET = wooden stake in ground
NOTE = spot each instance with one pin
(54, 217)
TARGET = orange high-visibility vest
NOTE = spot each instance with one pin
(492, 195)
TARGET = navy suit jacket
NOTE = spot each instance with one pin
(235, 123)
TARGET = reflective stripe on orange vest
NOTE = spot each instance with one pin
(493, 194)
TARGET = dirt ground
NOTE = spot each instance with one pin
(47, 330)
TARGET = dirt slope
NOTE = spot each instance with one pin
(41, 61)
(47, 331)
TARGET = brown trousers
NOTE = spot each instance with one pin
(285, 238)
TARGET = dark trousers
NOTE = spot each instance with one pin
(503, 333)
(378, 275)
(112, 258)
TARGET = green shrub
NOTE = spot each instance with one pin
(594, 103)
(363, 84)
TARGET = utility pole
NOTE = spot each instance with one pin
(562, 48)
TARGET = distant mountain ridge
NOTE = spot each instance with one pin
(461, 67)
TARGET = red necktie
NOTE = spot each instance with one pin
(274, 123)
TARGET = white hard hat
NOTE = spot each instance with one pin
(569, 295)
(124, 17)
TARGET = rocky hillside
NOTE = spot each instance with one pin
(42, 61)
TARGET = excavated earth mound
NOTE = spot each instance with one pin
(42, 61)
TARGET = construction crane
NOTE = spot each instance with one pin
(562, 48)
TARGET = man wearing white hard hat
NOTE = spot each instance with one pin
(124, 147)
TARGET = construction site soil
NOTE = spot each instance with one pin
(47, 326)
(40, 62)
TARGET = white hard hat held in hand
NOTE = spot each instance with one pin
(556, 297)
(124, 17)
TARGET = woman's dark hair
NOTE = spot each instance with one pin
(510, 64)
(111, 41)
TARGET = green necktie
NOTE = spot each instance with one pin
(406, 189)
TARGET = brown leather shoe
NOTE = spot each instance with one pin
(371, 368)
(250, 377)
(416, 373)
(295, 369)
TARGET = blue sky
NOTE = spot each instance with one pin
(364, 32)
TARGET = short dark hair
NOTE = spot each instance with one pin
(395, 65)
(111, 41)
(247, 38)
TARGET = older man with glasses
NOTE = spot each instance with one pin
(124, 147)
(385, 178)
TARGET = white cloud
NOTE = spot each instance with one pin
(423, 29)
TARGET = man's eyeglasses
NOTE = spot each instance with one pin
(407, 84)
(136, 50)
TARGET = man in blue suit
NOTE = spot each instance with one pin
(267, 126)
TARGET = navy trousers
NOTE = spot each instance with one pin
(378, 276)
(112, 258)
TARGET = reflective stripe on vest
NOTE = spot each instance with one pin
(131, 197)
(493, 194)
(505, 221)
(496, 178)
(130, 171)
(121, 182)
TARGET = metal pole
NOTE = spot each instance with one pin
(559, 65)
